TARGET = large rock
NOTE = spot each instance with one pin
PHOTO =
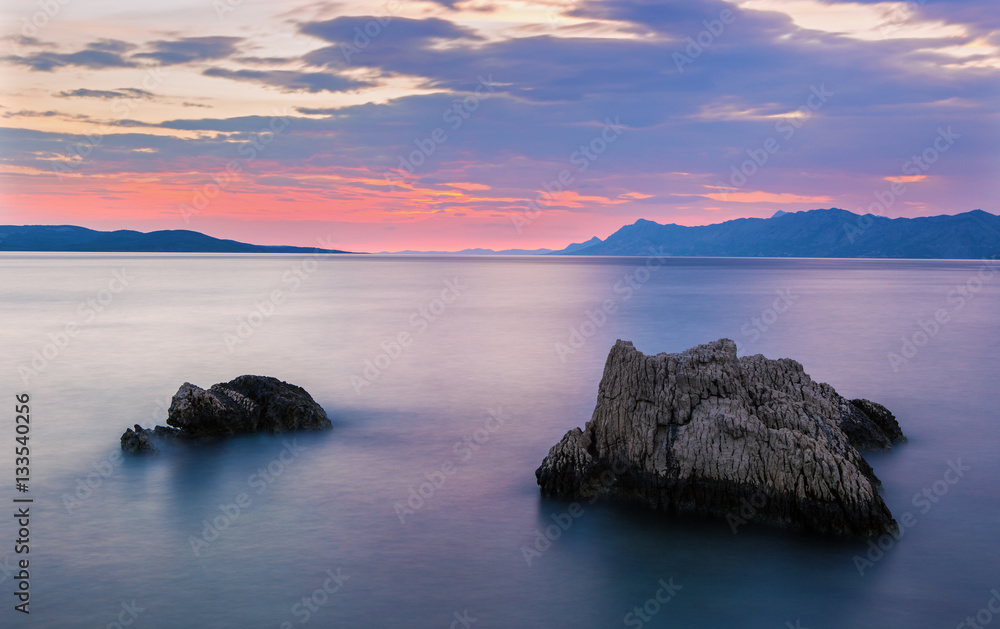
(245, 405)
(747, 439)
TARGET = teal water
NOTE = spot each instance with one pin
(452, 377)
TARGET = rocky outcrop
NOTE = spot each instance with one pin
(137, 441)
(747, 439)
(248, 404)
(143, 440)
(245, 405)
(870, 426)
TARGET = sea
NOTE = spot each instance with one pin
(447, 380)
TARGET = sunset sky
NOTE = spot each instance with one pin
(453, 124)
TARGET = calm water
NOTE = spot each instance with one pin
(335, 501)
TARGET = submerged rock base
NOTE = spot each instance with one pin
(707, 433)
(244, 405)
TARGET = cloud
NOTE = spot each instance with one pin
(27, 113)
(314, 111)
(88, 58)
(906, 178)
(112, 45)
(461, 185)
(191, 49)
(263, 61)
(23, 40)
(397, 30)
(687, 126)
(113, 53)
(757, 196)
(977, 14)
(124, 92)
(289, 81)
(362, 40)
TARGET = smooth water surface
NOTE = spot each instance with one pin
(500, 357)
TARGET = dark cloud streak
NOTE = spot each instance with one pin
(124, 92)
(289, 81)
(190, 50)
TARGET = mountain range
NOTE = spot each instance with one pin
(832, 233)
(72, 238)
(829, 233)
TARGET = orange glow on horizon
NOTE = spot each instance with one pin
(758, 196)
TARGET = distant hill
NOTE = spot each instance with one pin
(71, 238)
(831, 233)
(578, 246)
(475, 252)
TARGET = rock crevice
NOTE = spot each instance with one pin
(703, 431)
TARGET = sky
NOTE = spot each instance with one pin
(390, 125)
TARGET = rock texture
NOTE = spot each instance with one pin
(747, 439)
(870, 426)
(138, 440)
(245, 405)
(143, 440)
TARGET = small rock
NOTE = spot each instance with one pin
(137, 441)
(244, 405)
